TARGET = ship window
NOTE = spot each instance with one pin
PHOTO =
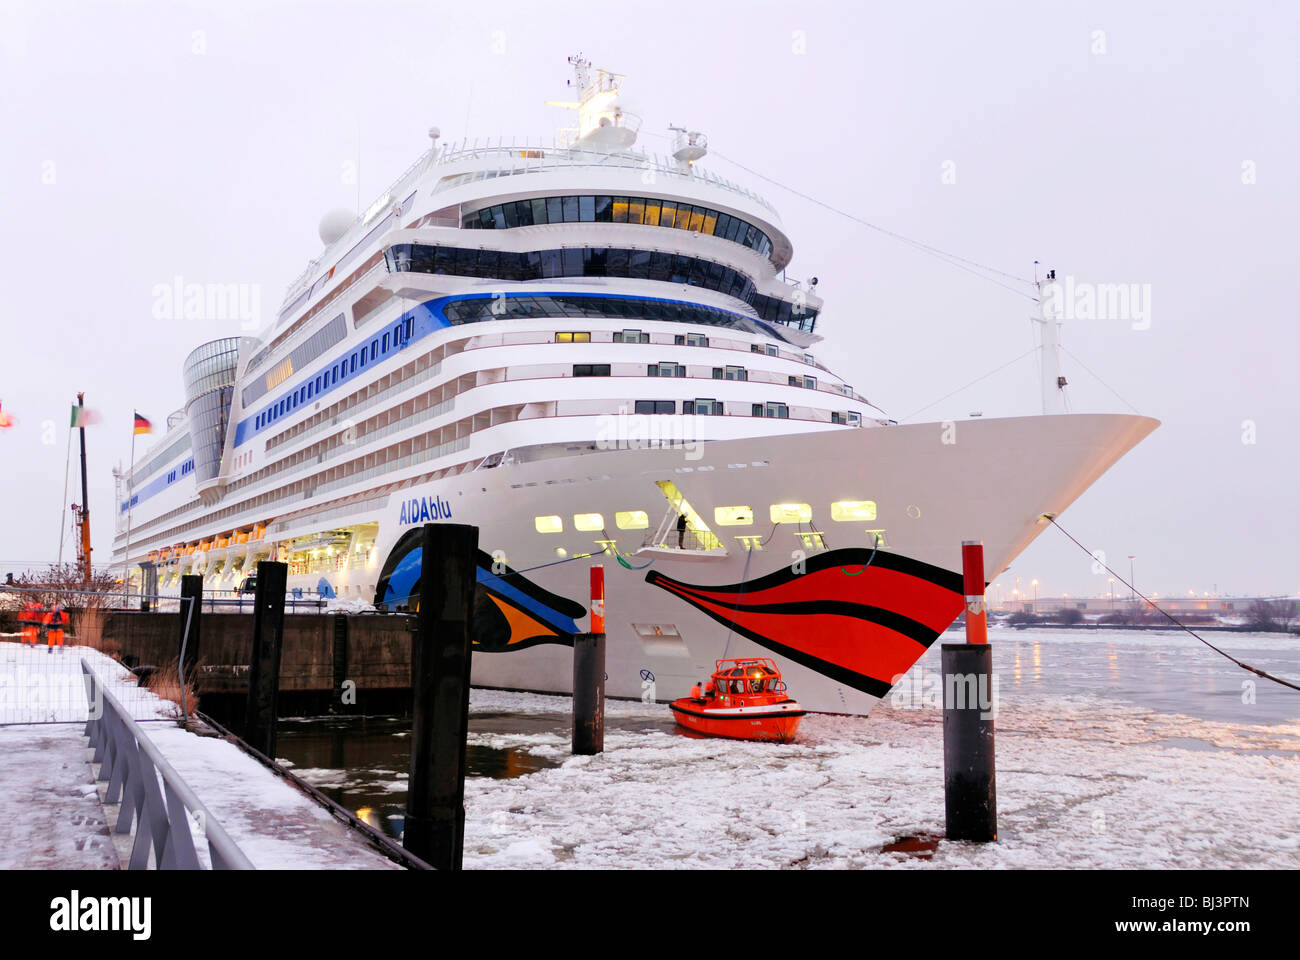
(632, 519)
(511, 214)
(620, 209)
(385, 343)
(733, 516)
(374, 348)
(697, 220)
(656, 406)
(352, 364)
(776, 410)
(498, 217)
(635, 210)
(539, 210)
(570, 205)
(554, 210)
(591, 369)
(588, 521)
(485, 218)
(551, 524)
(651, 216)
(631, 336)
(667, 212)
(706, 408)
(604, 209)
(853, 510)
(790, 513)
(573, 337)
(772, 349)
(638, 267)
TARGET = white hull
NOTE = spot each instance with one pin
(993, 484)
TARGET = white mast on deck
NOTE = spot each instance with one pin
(1053, 384)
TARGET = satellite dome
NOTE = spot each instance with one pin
(334, 224)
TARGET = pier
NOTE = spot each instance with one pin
(58, 809)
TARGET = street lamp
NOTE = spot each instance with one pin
(1111, 581)
(1035, 586)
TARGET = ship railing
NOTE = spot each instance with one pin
(386, 394)
(153, 796)
(691, 540)
(529, 157)
(295, 337)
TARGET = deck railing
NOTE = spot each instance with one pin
(154, 798)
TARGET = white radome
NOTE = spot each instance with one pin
(334, 224)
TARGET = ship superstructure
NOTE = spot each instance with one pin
(587, 348)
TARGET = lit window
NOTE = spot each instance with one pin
(733, 516)
(791, 513)
(550, 524)
(632, 519)
(853, 510)
(573, 337)
(588, 521)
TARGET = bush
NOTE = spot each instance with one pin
(164, 683)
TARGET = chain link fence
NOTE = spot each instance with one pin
(46, 631)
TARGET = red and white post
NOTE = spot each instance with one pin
(589, 674)
(969, 784)
(972, 574)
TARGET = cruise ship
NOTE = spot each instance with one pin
(594, 354)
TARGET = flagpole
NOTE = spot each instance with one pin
(130, 497)
(63, 519)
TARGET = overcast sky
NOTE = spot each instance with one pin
(1148, 144)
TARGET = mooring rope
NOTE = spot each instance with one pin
(1245, 666)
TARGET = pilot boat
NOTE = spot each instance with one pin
(745, 700)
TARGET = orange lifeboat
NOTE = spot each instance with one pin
(745, 700)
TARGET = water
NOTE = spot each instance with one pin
(362, 763)
(1167, 671)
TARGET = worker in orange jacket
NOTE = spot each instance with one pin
(29, 617)
(55, 621)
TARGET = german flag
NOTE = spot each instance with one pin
(142, 425)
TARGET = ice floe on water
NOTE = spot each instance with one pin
(1108, 778)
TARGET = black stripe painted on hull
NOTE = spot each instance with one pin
(850, 678)
(889, 619)
(846, 557)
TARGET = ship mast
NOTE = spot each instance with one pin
(1053, 384)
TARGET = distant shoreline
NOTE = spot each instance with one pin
(1219, 628)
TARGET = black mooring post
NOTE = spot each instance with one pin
(340, 658)
(970, 788)
(191, 587)
(588, 693)
(440, 667)
(264, 663)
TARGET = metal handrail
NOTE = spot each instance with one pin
(132, 765)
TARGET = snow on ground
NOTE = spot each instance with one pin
(1081, 783)
(276, 825)
(51, 816)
